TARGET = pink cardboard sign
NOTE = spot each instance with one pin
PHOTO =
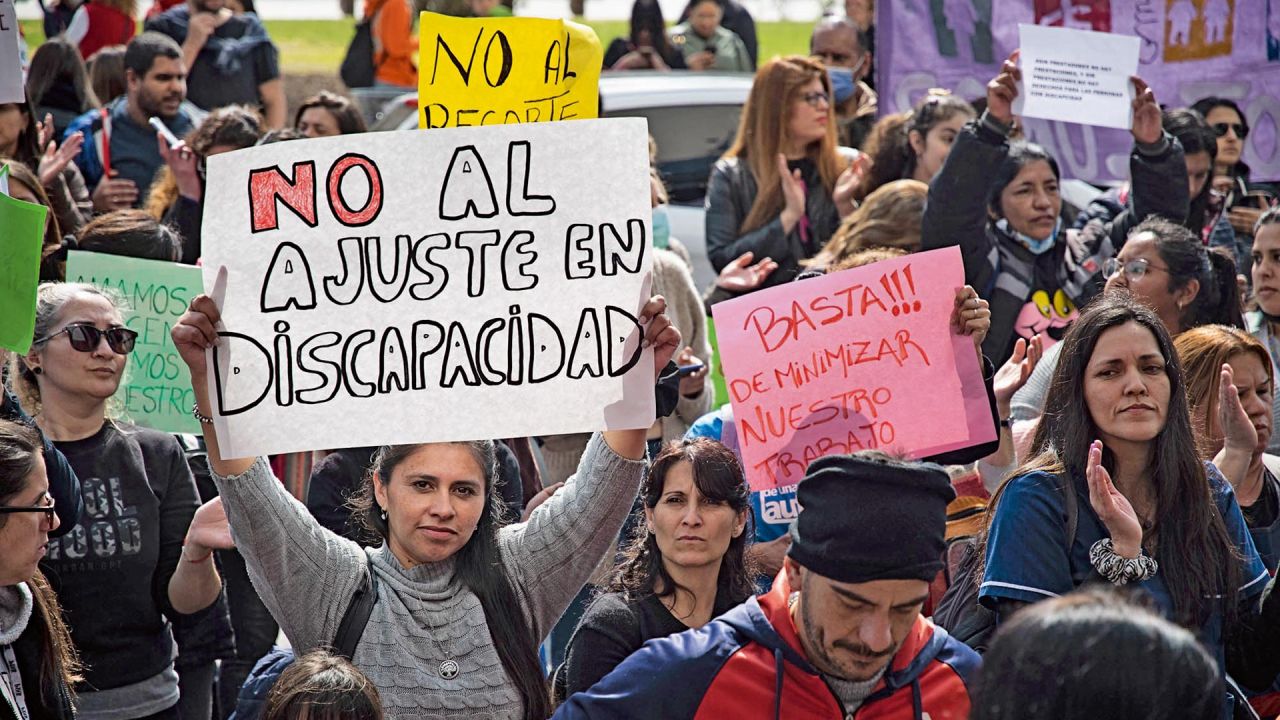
(856, 360)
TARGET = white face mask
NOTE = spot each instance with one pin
(1036, 247)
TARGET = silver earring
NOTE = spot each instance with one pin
(383, 514)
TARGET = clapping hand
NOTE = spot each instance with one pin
(1016, 370)
(1113, 508)
(741, 276)
(1238, 431)
(848, 182)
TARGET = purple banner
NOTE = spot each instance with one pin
(1190, 49)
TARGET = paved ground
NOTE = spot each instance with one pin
(763, 10)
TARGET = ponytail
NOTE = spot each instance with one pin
(1218, 302)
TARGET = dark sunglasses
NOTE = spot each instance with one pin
(1221, 129)
(85, 337)
(48, 510)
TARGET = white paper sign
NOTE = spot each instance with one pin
(1076, 76)
(453, 284)
(11, 82)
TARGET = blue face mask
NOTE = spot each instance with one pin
(843, 84)
(661, 227)
(1037, 247)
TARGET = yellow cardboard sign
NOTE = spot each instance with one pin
(499, 70)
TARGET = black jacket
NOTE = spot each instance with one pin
(730, 194)
(1031, 293)
(44, 702)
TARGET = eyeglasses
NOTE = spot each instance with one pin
(1133, 269)
(48, 510)
(1239, 129)
(816, 100)
(85, 337)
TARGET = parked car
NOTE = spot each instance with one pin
(693, 118)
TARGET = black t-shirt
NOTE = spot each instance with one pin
(112, 571)
(236, 59)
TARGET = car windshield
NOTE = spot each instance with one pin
(690, 139)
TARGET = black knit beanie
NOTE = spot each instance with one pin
(865, 519)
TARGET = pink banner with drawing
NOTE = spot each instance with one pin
(856, 360)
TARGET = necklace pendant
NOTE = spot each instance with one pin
(449, 669)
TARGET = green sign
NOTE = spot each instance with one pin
(156, 391)
(21, 237)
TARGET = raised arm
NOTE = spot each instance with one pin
(554, 553)
(956, 211)
(304, 573)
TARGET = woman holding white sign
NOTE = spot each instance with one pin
(460, 603)
(1000, 202)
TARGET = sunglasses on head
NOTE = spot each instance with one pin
(1221, 129)
(85, 337)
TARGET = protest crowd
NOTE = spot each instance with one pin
(1053, 491)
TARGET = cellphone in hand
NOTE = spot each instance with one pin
(1257, 200)
(683, 370)
(163, 131)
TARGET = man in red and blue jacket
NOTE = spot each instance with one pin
(840, 634)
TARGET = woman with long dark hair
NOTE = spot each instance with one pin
(461, 602)
(36, 649)
(22, 138)
(1117, 446)
(782, 189)
(646, 46)
(58, 84)
(686, 565)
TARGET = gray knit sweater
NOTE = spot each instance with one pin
(306, 575)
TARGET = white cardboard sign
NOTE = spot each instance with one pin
(11, 80)
(454, 284)
(1076, 76)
